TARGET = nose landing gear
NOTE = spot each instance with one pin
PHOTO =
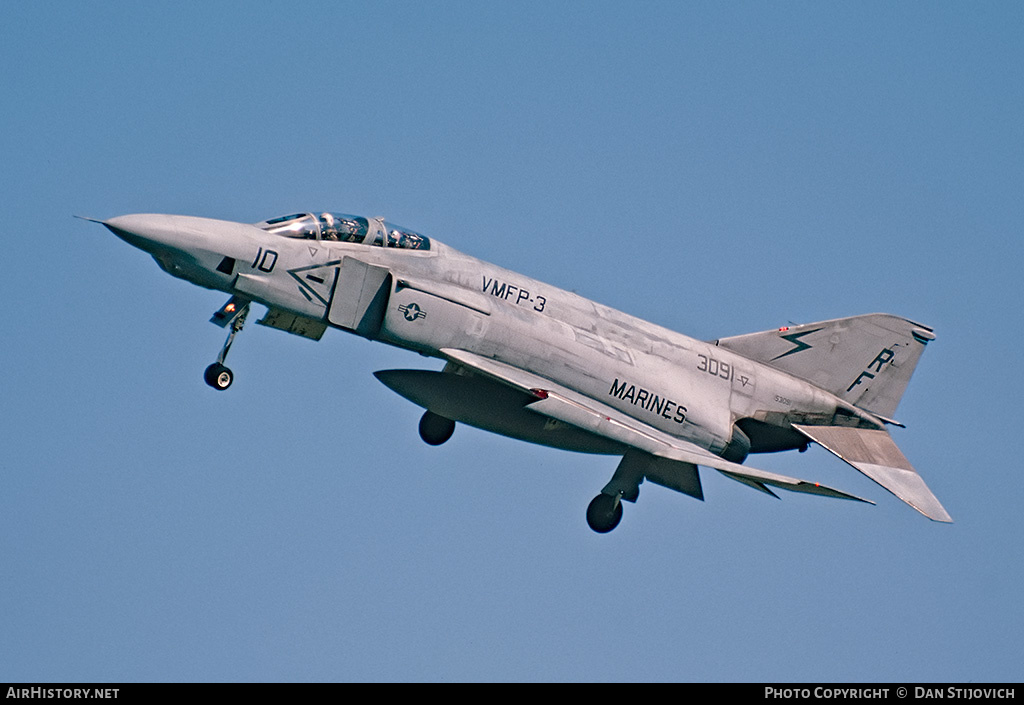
(218, 375)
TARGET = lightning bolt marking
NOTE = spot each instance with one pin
(795, 339)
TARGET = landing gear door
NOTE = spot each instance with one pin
(360, 297)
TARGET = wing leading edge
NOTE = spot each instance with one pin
(567, 406)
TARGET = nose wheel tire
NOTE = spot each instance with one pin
(218, 376)
(435, 429)
(604, 513)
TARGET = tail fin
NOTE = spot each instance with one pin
(865, 360)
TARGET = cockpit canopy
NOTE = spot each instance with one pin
(338, 227)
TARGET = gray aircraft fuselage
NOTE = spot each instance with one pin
(395, 286)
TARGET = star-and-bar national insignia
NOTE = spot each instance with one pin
(412, 312)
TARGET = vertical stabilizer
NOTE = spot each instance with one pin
(865, 360)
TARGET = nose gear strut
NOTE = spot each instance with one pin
(218, 375)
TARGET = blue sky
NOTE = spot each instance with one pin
(716, 168)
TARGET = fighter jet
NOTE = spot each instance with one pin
(531, 361)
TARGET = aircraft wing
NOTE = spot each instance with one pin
(568, 406)
(875, 453)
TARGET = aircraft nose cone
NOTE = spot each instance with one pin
(144, 230)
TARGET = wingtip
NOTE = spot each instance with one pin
(938, 515)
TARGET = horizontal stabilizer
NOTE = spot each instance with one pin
(874, 453)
